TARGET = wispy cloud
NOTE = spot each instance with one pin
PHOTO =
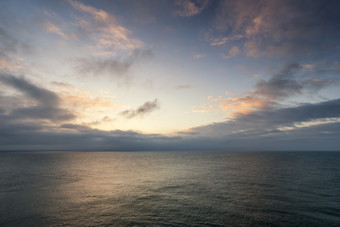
(8, 66)
(243, 105)
(87, 105)
(234, 51)
(146, 108)
(221, 41)
(114, 67)
(52, 28)
(105, 29)
(203, 109)
(104, 120)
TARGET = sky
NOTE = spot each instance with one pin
(170, 75)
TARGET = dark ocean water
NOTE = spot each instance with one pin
(170, 189)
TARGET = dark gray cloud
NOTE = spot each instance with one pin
(115, 67)
(42, 112)
(291, 80)
(289, 116)
(43, 96)
(278, 129)
(37, 136)
(146, 108)
(47, 103)
(265, 122)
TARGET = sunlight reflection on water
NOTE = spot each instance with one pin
(170, 188)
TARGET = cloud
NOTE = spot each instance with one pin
(42, 112)
(189, 8)
(310, 126)
(33, 136)
(10, 49)
(291, 80)
(287, 83)
(43, 96)
(52, 28)
(103, 120)
(115, 67)
(104, 28)
(221, 41)
(290, 29)
(261, 130)
(235, 50)
(87, 106)
(291, 115)
(243, 105)
(281, 84)
(82, 102)
(8, 66)
(146, 108)
(265, 121)
(46, 103)
(203, 109)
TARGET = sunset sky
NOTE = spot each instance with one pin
(170, 75)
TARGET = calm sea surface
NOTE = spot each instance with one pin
(170, 189)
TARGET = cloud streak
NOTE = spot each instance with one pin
(142, 110)
(105, 29)
(47, 102)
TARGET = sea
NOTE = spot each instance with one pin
(170, 188)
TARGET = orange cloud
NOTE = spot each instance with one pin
(242, 105)
(234, 51)
(105, 30)
(52, 28)
(79, 100)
